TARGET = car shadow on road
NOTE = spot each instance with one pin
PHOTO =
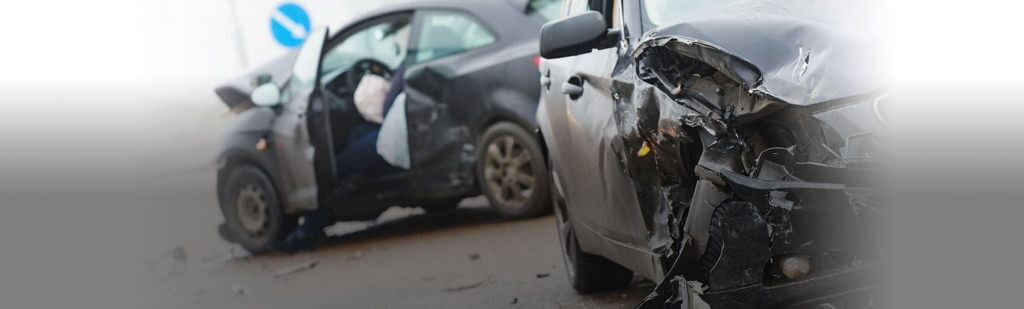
(416, 224)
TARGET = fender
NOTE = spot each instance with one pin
(238, 146)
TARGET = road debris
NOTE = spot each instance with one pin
(291, 269)
(169, 263)
(467, 287)
(358, 255)
(543, 275)
(239, 290)
(514, 300)
(474, 257)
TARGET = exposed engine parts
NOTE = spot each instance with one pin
(771, 188)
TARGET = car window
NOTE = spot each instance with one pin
(386, 42)
(662, 12)
(576, 7)
(305, 65)
(549, 9)
(449, 33)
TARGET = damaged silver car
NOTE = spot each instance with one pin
(727, 149)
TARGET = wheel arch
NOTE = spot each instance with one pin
(232, 158)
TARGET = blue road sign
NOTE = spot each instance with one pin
(290, 25)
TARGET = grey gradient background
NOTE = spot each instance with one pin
(97, 175)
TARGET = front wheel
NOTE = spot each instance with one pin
(512, 173)
(252, 211)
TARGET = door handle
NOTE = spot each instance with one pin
(573, 87)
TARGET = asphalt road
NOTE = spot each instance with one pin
(124, 215)
(463, 258)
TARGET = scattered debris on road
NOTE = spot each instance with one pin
(467, 287)
(169, 263)
(358, 255)
(514, 300)
(474, 256)
(543, 275)
(291, 269)
(238, 289)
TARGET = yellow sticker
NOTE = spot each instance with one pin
(644, 150)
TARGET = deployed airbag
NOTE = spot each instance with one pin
(393, 141)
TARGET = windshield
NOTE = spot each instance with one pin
(385, 42)
(658, 13)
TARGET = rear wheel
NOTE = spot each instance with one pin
(512, 173)
(587, 273)
(252, 211)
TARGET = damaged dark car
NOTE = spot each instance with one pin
(470, 95)
(728, 150)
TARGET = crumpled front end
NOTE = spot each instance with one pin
(784, 205)
(776, 225)
(792, 232)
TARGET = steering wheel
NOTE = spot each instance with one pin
(366, 66)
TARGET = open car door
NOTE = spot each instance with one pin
(301, 133)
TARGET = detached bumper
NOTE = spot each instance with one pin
(825, 215)
(852, 287)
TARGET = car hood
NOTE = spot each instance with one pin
(800, 52)
(235, 93)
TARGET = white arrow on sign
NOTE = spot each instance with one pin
(297, 30)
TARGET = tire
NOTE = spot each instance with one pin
(511, 172)
(441, 205)
(252, 210)
(587, 273)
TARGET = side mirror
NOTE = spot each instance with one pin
(575, 35)
(266, 95)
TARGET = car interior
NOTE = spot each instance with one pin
(378, 48)
(381, 47)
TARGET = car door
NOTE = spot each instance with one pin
(300, 133)
(448, 48)
(590, 161)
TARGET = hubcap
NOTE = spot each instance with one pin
(508, 170)
(252, 209)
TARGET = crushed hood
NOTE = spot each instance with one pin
(800, 52)
(235, 93)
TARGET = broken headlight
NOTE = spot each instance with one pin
(862, 125)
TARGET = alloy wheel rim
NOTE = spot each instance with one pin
(252, 208)
(508, 171)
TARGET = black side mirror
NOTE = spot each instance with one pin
(575, 35)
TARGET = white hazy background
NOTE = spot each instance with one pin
(101, 100)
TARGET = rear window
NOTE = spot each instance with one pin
(549, 9)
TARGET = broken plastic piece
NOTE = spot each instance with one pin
(644, 150)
